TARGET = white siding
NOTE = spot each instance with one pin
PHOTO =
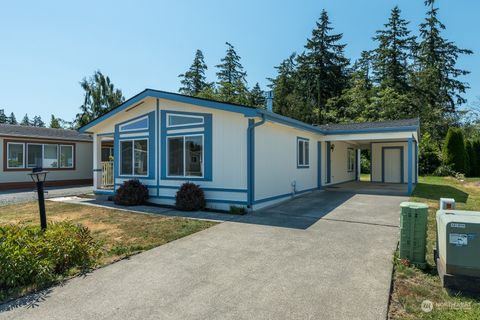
(377, 159)
(339, 163)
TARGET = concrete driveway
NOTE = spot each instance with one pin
(326, 255)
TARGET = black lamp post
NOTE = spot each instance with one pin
(38, 176)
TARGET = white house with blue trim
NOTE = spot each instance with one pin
(240, 155)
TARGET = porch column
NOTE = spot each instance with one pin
(359, 166)
(410, 166)
(97, 165)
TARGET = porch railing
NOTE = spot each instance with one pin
(107, 174)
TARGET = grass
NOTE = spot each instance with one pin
(364, 176)
(120, 233)
(411, 286)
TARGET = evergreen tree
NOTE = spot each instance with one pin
(323, 68)
(100, 96)
(454, 154)
(12, 119)
(438, 84)
(256, 97)
(390, 63)
(3, 117)
(476, 150)
(471, 158)
(55, 122)
(194, 80)
(232, 84)
(25, 121)
(38, 122)
(284, 88)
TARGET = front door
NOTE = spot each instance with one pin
(392, 165)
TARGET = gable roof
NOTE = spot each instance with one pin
(248, 111)
(10, 130)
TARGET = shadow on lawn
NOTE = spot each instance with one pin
(437, 191)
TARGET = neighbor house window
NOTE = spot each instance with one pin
(351, 159)
(185, 156)
(16, 152)
(43, 155)
(303, 153)
(134, 157)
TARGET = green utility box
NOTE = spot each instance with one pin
(413, 232)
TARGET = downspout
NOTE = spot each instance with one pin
(251, 159)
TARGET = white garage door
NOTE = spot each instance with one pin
(392, 165)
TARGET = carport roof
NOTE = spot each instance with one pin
(413, 124)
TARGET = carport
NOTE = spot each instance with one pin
(393, 147)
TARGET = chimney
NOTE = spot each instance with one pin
(269, 96)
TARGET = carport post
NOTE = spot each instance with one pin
(410, 165)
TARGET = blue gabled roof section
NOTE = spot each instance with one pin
(349, 128)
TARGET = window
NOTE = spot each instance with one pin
(351, 159)
(15, 155)
(303, 153)
(134, 157)
(140, 124)
(179, 120)
(34, 155)
(185, 156)
(50, 156)
(66, 156)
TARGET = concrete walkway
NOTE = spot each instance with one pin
(326, 255)
(26, 195)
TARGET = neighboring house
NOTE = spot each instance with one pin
(66, 154)
(240, 155)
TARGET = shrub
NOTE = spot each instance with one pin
(453, 152)
(471, 159)
(190, 197)
(131, 193)
(444, 171)
(30, 256)
(365, 161)
(476, 153)
(237, 210)
(429, 155)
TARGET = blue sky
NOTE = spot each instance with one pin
(47, 47)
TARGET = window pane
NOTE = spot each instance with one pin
(141, 157)
(193, 156)
(50, 156)
(66, 156)
(181, 120)
(175, 156)
(15, 155)
(34, 155)
(300, 152)
(126, 156)
(307, 155)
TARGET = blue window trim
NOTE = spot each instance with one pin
(152, 150)
(133, 122)
(303, 166)
(207, 141)
(401, 162)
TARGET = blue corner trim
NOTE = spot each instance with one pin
(319, 164)
(207, 141)
(329, 164)
(401, 162)
(410, 167)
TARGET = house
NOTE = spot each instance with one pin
(240, 155)
(66, 154)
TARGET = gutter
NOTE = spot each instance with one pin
(251, 158)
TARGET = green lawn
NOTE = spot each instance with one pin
(411, 286)
(119, 233)
(364, 176)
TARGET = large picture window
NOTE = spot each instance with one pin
(185, 156)
(303, 153)
(351, 159)
(134, 157)
(16, 155)
(24, 155)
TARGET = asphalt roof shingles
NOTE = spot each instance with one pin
(45, 133)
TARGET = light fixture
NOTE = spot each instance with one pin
(332, 147)
(39, 176)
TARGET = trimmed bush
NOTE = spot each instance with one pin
(429, 155)
(190, 197)
(237, 210)
(453, 152)
(131, 193)
(30, 256)
(444, 171)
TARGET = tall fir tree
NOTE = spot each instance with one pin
(38, 122)
(232, 83)
(55, 122)
(323, 69)
(25, 121)
(256, 96)
(12, 119)
(3, 117)
(391, 57)
(194, 80)
(437, 81)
